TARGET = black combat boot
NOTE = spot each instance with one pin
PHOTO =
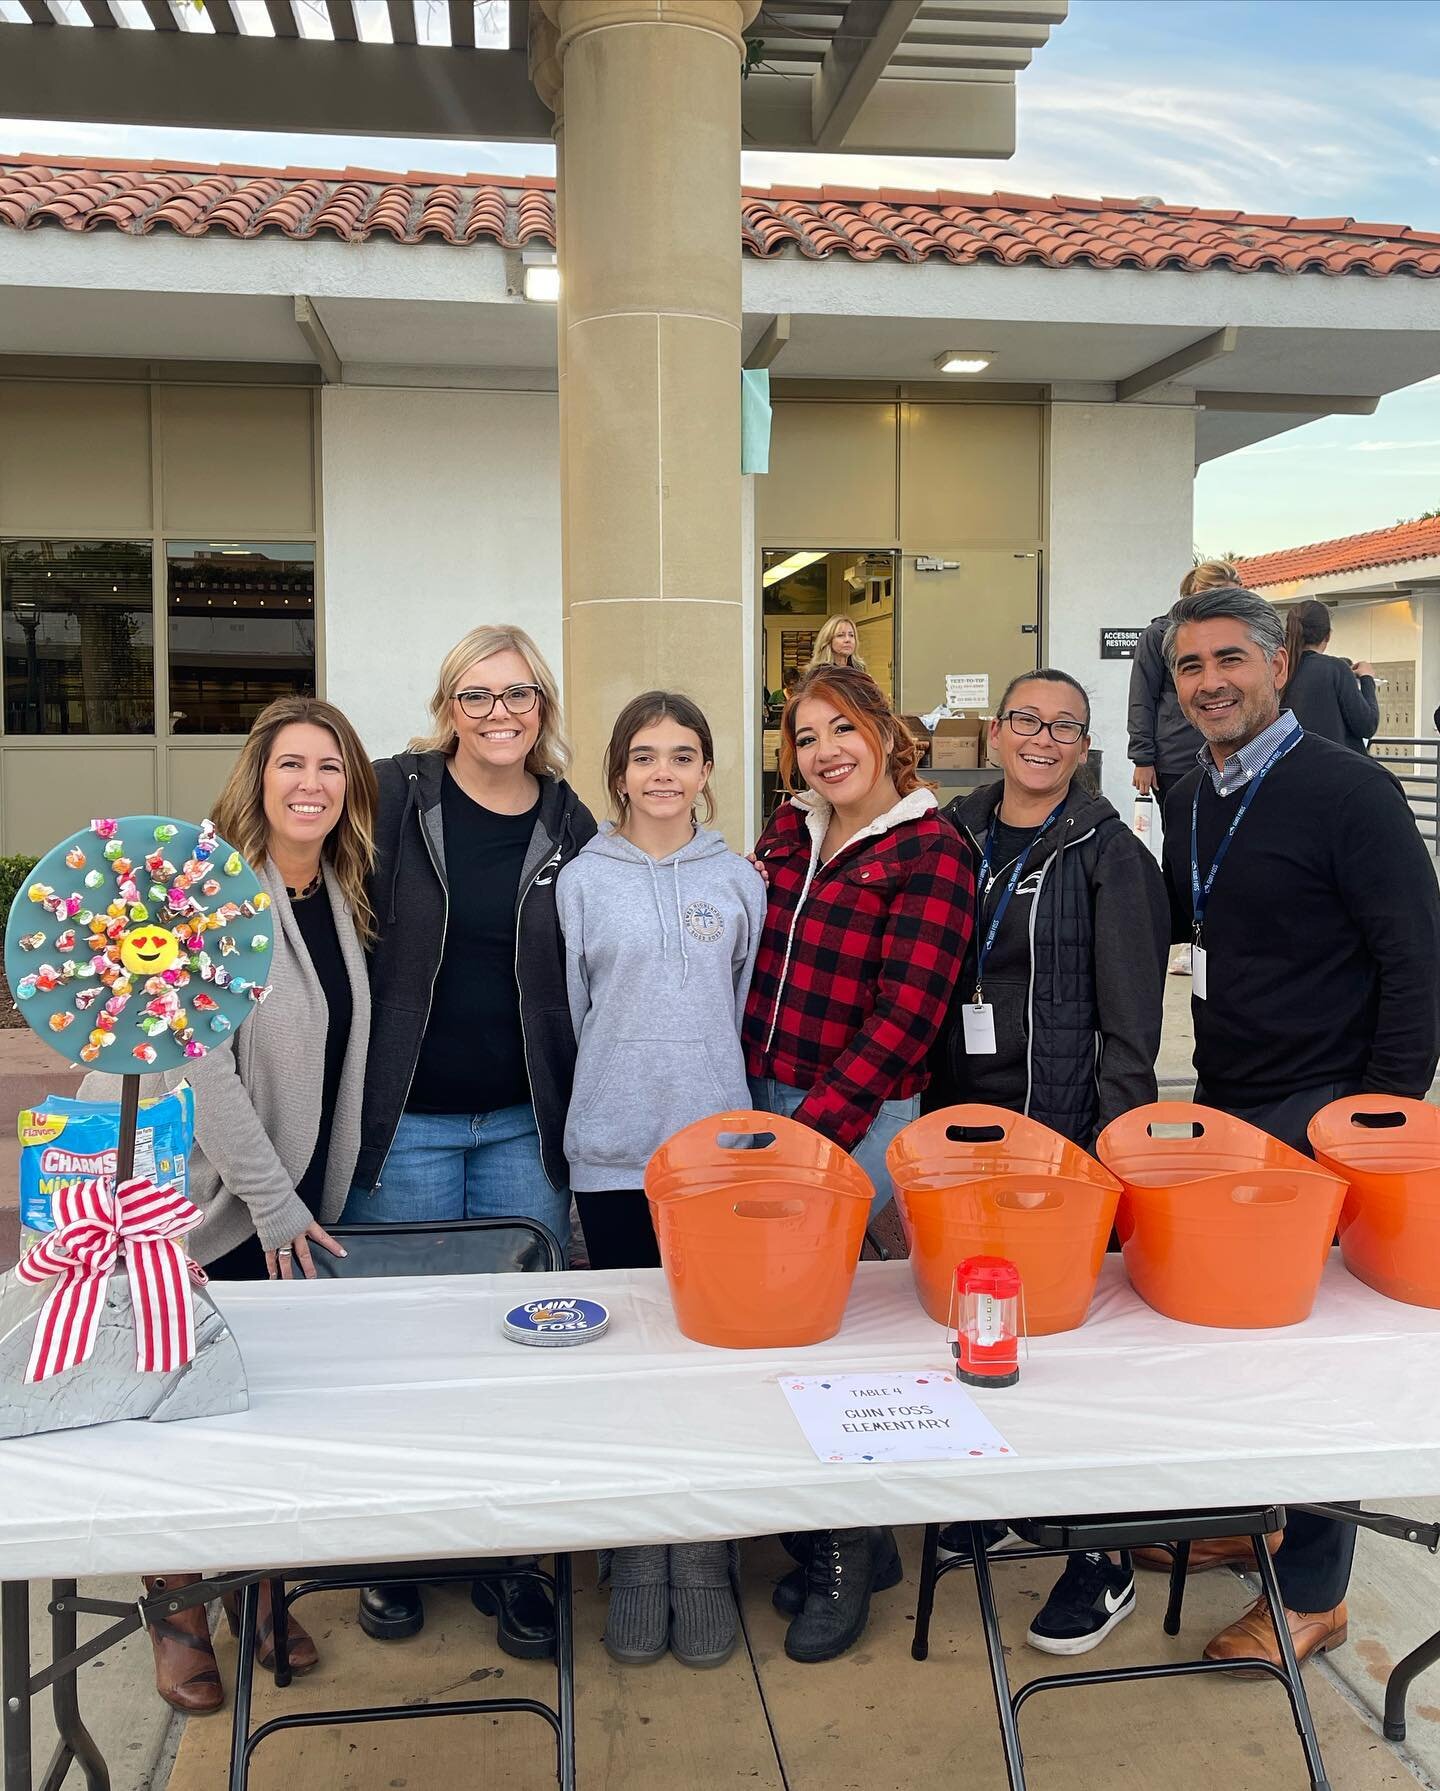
(845, 1568)
(789, 1594)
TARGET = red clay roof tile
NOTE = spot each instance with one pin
(1350, 553)
(1012, 229)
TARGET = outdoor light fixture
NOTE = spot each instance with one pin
(783, 568)
(542, 277)
(964, 360)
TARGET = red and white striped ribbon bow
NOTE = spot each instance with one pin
(93, 1222)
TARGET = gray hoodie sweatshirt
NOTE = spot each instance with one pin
(658, 955)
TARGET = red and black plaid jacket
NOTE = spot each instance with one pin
(852, 984)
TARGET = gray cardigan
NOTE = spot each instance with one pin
(257, 1096)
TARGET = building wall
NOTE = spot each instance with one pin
(442, 512)
(1121, 529)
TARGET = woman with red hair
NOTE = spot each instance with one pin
(870, 909)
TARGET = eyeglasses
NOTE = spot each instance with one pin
(479, 705)
(1063, 733)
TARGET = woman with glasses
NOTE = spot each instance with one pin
(473, 1051)
(1058, 1008)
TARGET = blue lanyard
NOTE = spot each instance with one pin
(1010, 887)
(1200, 893)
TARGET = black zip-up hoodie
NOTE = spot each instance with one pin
(410, 898)
(1076, 978)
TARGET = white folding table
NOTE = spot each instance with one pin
(390, 1421)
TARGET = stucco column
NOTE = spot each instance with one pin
(650, 367)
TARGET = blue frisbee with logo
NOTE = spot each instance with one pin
(556, 1322)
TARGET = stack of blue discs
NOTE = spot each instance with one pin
(556, 1323)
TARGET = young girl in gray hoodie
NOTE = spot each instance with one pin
(661, 923)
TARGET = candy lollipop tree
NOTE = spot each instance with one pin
(140, 945)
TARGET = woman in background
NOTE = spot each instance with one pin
(1328, 695)
(837, 644)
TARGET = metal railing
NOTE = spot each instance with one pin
(1416, 762)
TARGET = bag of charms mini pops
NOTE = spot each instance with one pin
(64, 1141)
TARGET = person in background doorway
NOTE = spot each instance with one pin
(277, 1105)
(465, 1104)
(1162, 742)
(1058, 1009)
(837, 644)
(1316, 924)
(870, 907)
(1327, 695)
(662, 922)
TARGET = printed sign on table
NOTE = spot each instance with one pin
(922, 1416)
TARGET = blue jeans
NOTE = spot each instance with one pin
(771, 1096)
(447, 1166)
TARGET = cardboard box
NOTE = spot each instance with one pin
(958, 744)
(920, 734)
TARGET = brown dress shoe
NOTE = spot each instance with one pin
(186, 1675)
(1252, 1637)
(303, 1654)
(1212, 1551)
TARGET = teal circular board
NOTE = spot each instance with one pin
(139, 944)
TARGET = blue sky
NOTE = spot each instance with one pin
(1309, 107)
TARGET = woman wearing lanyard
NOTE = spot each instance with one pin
(869, 911)
(1058, 1008)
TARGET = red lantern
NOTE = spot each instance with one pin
(985, 1322)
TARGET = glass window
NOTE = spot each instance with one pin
(79, 638)
(241, 629)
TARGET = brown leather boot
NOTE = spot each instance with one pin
(186, 1675)
(1252, 1637)
(1212, 1551)
(300, 1647)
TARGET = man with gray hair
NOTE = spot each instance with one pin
(1296, 868)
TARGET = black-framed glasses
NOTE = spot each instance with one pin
(479, 705)
(1063, 733)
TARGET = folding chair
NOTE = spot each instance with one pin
(465, 1247)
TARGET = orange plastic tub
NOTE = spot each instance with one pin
(982, 1181)
(1220, 1223)
(1388, 1149)
(760, 1222)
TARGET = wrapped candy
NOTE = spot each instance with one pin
(260, 902)
(234, 864)
(210, 887)
(145, 1053)
(47, 978)
(114, 849)
(94, 879)
(75, 858)
(220, 1023)
(64, 941)
(39, 892)
(60, 1020)
(25, 988)
(228, 945)
(158, 892)
(122, 867)
(85, 999)
(207, 1004)
(32, 941)
(194, 1048)
(205, 839)
(88, 1053)
(150, 1024)
(101, 1037)
(260, 942)
(117, 1004)
(105, 829)
(166, 832)
(138, 912)
(257, 992)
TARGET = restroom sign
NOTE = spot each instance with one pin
(1119, 643)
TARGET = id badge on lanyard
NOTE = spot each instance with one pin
(977, 1017)
(1200, 892)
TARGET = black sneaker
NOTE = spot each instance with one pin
(1088, 1600)
(955, 1539)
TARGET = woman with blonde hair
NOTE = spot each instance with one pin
(277, 1107)
(465, 1104)
(837, 644)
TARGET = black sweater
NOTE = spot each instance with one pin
(1322, 931)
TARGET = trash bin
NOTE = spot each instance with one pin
(760, 1221)
(1388, 1149)
(982, 1181)
(1220, 1223)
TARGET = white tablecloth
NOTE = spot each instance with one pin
(390, 1420)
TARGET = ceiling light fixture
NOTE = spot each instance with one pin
(797, 562)
(964, 360)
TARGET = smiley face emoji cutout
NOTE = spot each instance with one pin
(148, 951)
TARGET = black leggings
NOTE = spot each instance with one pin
(618, 1232)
